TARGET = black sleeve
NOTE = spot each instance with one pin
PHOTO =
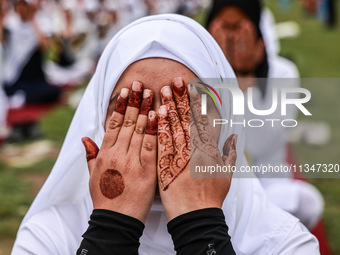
(111, 233)
(201, 232)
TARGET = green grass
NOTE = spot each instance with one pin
(55, 125)
(16, 192)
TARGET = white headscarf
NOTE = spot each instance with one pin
(255, 226)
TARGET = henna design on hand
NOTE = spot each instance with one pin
(166, 149)
(111, 183)
(151, 125)
(91, 148)
(229, 150)
(147, 102)
(135, 96)
(183, 107)
(122, 101)
(203, 139)
(174, 145)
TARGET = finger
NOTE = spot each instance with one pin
(138, 135)
(174, 120)
(230, 47)
(201, 121)
(229, 151)
(183, 106)
(148, 152)
(130, 118)
(195, 140)
(147, 102)
(91, 152)
(213, 27)
(116, 120)
(165, 149)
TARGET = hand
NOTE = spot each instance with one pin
(221, 35)
(240, 44)
(185, 140)
(123, 171)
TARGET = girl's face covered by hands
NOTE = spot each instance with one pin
(154, 74)
(125, 165)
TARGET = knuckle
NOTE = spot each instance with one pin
(148, 147)
(113, 161)
(147, 170)
(129, 123)
(114, 124)
(140, 130)
(100, 159)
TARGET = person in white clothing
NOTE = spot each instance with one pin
(236, 25)
(59, 214)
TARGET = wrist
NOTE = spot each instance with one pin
(178, 210)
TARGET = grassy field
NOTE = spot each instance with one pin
(317, 54)
(19, 185)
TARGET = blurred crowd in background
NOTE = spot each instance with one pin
(49, 44)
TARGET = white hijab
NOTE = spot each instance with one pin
(255, 226)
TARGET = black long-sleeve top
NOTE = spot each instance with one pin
(199, 232)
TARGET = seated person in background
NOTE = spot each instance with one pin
(23, 52)
(24, 79)
(152, 51)
(235, 24)
(72, 44)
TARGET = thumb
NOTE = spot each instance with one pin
(91, 152)
(229, 150)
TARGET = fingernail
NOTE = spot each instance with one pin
(178, 82)
(178, 86)
(152, 115)
(162, 110)
(193, 90)
(166, 91)
(124, 92)
(146, 93)
(136, 86)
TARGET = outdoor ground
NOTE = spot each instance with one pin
(317, 54)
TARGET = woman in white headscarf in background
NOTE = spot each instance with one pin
(28, 34)
(237, 27)
(59, 215)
